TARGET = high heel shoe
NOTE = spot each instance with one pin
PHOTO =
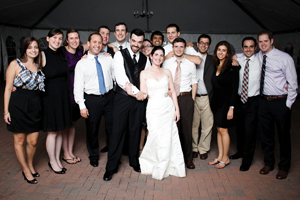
(64, 169)
(56, 172)
(34, 181)
(36, 174)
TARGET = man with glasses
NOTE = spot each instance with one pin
(202, 110)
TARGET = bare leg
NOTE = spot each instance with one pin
(220, 144)
(58, 147)
(30, 149)
(19, 139)
(225, 140)
(51, 150)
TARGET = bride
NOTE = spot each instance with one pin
(162, 155)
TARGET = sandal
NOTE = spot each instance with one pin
(77, 159)
(221, 165)
(214, 162)
(70, 161)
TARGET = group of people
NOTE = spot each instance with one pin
(171, 95)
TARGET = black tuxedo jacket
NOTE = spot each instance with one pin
(208, 72)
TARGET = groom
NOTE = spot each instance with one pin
(128, 112)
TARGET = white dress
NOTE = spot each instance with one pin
(162, 155)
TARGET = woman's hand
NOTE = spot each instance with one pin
(230, 114)
(7, 118)
(177, 116)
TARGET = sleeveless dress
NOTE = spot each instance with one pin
(162, 155)
(57, 114)
(72, 60)
(25, 103)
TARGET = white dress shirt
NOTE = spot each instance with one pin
(189, 50)
(254, 74)
(125, 45)
(188, 73)
(119, 70)
(86, 77)
(201, 89)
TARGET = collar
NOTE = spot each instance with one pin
(131, 53)
(104, 50)
(251, 58)
(91, 57)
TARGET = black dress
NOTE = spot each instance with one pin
(225, 92)
(57, 113)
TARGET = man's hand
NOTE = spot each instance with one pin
(106, 54)
(84, 57)
(84, 113)
(189, 44)
(169, 55)
(140, 96)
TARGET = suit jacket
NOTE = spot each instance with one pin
(208, 72)
(111, 51)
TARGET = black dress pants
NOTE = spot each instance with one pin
(128, 115)
(97, 106)
(270, 113)
(246, 115)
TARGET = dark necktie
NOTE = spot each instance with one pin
(244, 93)
(134, 60)
(262, 78)
(100, 76)
(121, 48)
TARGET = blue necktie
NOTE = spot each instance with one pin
(100, 76)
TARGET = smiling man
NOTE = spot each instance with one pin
(121, 31)
(104, 31)
(247, 103)
(128, 111)
(185, 83)
(157, 38)
(278, 70)
(93, 93)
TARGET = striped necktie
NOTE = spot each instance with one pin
(262, 78)
(177, 78)
(100, 76)
(244, 93)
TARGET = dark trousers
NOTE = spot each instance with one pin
(186, 109)
(128, 115)
(270, 113)
(97, 107)
(246, 115)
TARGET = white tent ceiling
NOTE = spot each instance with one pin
(193, 16)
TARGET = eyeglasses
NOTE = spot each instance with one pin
(204, 43)
(147, 46)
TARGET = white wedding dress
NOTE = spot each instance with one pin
(162, 155)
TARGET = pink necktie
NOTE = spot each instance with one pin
(177, 78)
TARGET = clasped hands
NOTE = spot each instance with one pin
(140, 96)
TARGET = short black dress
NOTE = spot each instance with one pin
(25, 103)
(57, 111)
(225, 94)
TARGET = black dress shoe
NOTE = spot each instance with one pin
(136, 168)
(104, 150)
(281, 174)
(235, 156)
(244, 167)
(190, 165)
(265, 170)
(195, 154)
(94, 163)
(108, 176)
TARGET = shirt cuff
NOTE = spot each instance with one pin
(82, 105)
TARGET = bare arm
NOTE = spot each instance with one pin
(194, 59)
(113, 47)
(11, 72)
(194, 91)
(142, 94)
(174, 97)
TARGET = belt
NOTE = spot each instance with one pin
(98, 95)
(201, 95)
(271, 97)
(184, 93)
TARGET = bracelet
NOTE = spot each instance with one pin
(5, 113)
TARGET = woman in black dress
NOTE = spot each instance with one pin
(225, 81)
(22, 108)
(57, 115)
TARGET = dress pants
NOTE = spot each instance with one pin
(246, 116)
(97, 106)
(186, 109)
(203, 115)
(270, 113)
(128, 115)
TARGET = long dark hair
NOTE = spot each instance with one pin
(25, 44)
(228, 59)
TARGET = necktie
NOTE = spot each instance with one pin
(121, 48)
(262, 78)
(134, 60)
(100, 76)
(244, 93)
(177, 78)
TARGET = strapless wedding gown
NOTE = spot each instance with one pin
(162, 155)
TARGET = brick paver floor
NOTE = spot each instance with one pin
(83, 181)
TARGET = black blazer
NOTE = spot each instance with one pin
(209, 69)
